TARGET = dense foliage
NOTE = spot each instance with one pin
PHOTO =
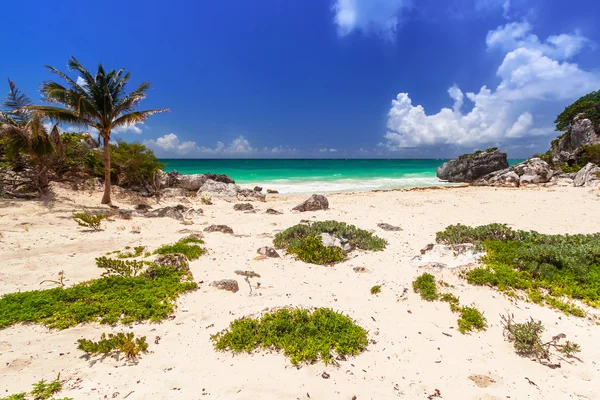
(125, 343)
(189, 247)
(426, 287)
(133, 164)
(546, 267)
(125, 268)
(108, 300)
(41, 391)
(310, 249)
(588, 106)
(304, 336)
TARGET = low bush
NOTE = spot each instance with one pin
(133, 164)
(128, 269)
(527, 339)
(310, 249)
(426, 287)
(557, 265)
(376, 289)
(41, 391)
(128, 253)
(304, 336)
(588, 154)
(471, 319)
(187, 246)
(88, 220)
(112, 344)
(108, 300)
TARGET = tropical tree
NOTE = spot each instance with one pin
(23, 133)
(98, 101)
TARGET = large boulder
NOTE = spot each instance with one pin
(314, 203)
(582, 133)
(178, 212)
(565, 148)
(532, 171)
(588, 176)
(224, 190)
(470, 167)
(191, 182)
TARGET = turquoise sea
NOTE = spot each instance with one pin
(314, 175)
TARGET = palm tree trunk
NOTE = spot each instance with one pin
(106, 196)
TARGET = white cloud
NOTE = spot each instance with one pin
(537, 81)
(127, 129)
(81, 82)
(326, 150)
(378, 16)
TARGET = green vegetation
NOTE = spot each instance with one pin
(304, 240)
(127, 253)
(99, 102)
(41, 391)
(310, 249)
(186, 246)
(109, 300)
(588, 106)
(303, 336)
(471, 319)
(526, 338)
(88, 220)
(545, 267)
(127, 269)
(426, 287)
(588, 154)
(125, 343)
(376, 289)
(470, 156)
(132, 164)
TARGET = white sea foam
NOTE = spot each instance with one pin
(345, 185)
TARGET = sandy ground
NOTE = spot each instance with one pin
(414, 348)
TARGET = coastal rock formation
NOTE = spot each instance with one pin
(388, 227)
(469, 167)
(314, 203)
(230, 285)
(588, 176)
(178, 212)
(446, 256)
(243, 207)
(268, 251)
(532, 171)
(225, 190)
(565, 148)
(219, 228)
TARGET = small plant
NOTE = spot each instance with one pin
(247, 275)
(526, 338)
(127, 269)
(206, 200)
(43, 390)
(125, 343)
(60, 281)
(376, 289)
(310, 249)
(137, 251)
(452, 300)
(471, 319)
(186, 246)
(304, 336)
(426, 287)
(88, 220)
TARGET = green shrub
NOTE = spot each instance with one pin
(560, 265)
(452, 300)
(137, 251)
(304, 336)
(108, 300)
(88, 220)
(125, 343)
(41, 391)
(588, 154)
(568, 169)
(310, 249)
(588, 105)
(187, 246)
(527, 339)
(471, 319)
(376, 289)
(133, 164)
(426, 287)
(126, 269)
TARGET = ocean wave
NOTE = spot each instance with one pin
(289, 186)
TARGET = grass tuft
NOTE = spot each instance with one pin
(376, 289)
(471, 319)
(304, 336)
(187, 246)
(310, 249)
(88, 220)
(426, 287)
(125, 343)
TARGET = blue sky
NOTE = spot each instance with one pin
(325, 78)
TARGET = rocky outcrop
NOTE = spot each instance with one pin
(314, 203)
(230, 285)
(388, 227)
(272, 211)
(230, 191)
(271, 191)
(268, 251)
(219, 228)
(178, 212)
(588, 176)
(532, 171)
(582, 133)
(329, 240)
(470, 167)
(243, 207)
(176, 262)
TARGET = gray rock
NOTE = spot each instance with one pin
(502, 178)
(173, 192)
(178, 212)
(388, 227)
(166, 179)
(142, 207)
(272, 211)
(217, 189)
(587, 176)
(268, 251)
(257, 189)
(582, 133)
(226, 284)
(271, 191)
(191, 182)
(219, 228)
(532, 171)
(469, 167)
(176, 261)
(314, 203)
(329, 240)
(250, 195)
(243, 207)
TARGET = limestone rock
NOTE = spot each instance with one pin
(226, 284)
(217, 189)
(469, 167)
(268, 251)
(243, 207)
(532, 171)
(178, 212)
(445, 256)
(271, 191)
(176, 261)
(588, 176)
(172, 192)
(219, 228)
(272, 211)
(250, 195)
(388, 227)
(314, 203)
(191, 182)
(257, 189)
(329, 240)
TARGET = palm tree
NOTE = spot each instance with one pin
(98, 101)
(26, 134)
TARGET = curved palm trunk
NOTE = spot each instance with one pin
(106, 196)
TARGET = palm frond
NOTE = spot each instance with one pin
(57, 141)
(63, 115)
(15, 103)
(128, 103)
(136, 117)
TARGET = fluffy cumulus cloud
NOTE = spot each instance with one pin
(537, 80)
(326, 150)
(128, 129)
(378, 16)
(170, 145)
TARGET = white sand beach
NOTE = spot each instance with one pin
(414, 346)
